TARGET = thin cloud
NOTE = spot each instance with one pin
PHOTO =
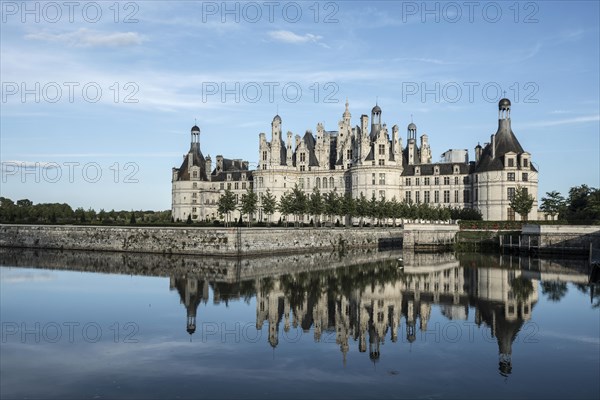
(12, 164)
(87, 38)
(291, 37)
(566, 121)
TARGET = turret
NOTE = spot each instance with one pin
(208, 165)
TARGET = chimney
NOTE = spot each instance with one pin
(477, 152)
(208, 165)
(493, 140)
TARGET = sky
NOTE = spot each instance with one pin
(98, 98)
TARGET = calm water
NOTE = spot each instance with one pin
(363, 325)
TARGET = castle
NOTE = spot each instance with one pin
(362, 160)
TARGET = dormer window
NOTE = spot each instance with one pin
(228, 177)
(525, 163)
(417, 170)
(436, 170)
(456, 169)
(243, 177)
(194, 174)
(510, 162)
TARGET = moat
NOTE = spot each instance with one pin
(362, 324)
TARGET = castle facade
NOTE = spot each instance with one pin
(363, 160)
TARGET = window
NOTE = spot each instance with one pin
(264, 156)
(511, 162)
(417, 197)
(194, 195)
(446, 180)
(426, 198)
(222, 186)
(436, 196)
(243, 185)
(301, 183)
(436, 180)
(382, 194)
(382, 179)
(511, 214)
(417, 171)
(237, 198)
(417, 181)
(525, 177)
(407, 196)
(236, 186)
(381, 161)
(456, 180)
(229, 177)
(466, 196)
(525, 191)
(446, 196)
(476, 194)
(260, 182)
(407, 181)
(466, 180)
(302, 168)
(349, 154)
(510, 176)
(308, 183)
(195, 185)
(324, 183)
(525, 163)
(426, 181)
(510, 193)
(382, 149)
(195, 174)
(318, 183)
(436, 170)
(243, 177)
(302, 157)
(331, 183)
(456, 196)
(373, 178)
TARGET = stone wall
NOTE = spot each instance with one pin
(197, 241)
(557, 237)
(429, 235)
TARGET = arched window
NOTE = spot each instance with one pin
(318, 183)
(324, 183)
(331, 184)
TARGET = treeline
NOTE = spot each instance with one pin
(582, 206)
(25, 212)
(332, 207)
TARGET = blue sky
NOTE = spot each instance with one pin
(98, 101)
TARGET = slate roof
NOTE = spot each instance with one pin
(198, 160)
(506, 142)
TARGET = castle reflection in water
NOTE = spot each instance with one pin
(365, 304)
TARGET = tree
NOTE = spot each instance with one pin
(583, 205)
(226, 205)
(189, 219)
(331, 204)
(362, 208)
(249, 204)
(132, 219)
(348, 207)
(522, 202)
(315, 206)
(285, 206)
(299, 203)
(269, 204)
(553, 203)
